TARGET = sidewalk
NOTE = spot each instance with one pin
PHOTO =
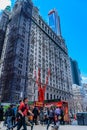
(40, 127)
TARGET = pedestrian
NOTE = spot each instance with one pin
(13, 116)
(50, 117)
(9, 115)
(57, 111)
(41, 116)
(1, 114)
(30, 118)
(46, 113)
(36, 113)
(62, 116)
(23, 110)
(17, 114)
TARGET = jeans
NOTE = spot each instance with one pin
(50, 120)
(32, 125)
(9, 122)
(35, 119)
(21, 123)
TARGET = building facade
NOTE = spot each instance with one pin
(76, 78)
(31, 44)
(54, 21)
(85, 96)
(78, 99)
(85, 88)
(3, 26)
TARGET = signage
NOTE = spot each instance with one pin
(39, 104)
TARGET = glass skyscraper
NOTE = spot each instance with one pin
(76, 78)
(13, 2)
(54, 21)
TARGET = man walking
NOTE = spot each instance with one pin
(23, 110)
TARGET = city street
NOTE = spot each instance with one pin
(43, 68)
(65, 127)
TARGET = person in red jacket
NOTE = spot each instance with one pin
(23, 110)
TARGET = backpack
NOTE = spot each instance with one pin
(9, 112)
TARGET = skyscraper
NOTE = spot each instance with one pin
(76, 79)
(13, 3)
(31, 44)
(54, 21)
(3, 26)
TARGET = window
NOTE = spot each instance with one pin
(39, 22)
(22, 40)
(60, 97)
(54, 96)
(32, 51)
(45, 28)
(21, 54)
(23, 28)
(47, 96)
(24, 23)
(23, 35)
(21, 60)
(20, 66)
(26, 68)
(21, 49)
(42, 25)
(24, 19)
(19, 71)
(40, 60)
(22, 45)
(18, 89)
(39, 47)
(50, 96)
(39, 56)
(23, 31)
(50, 33)
(39, 64)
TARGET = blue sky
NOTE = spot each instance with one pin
(73, 17)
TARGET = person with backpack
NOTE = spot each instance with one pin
(9, 115)
(23, 111)
(36, 113)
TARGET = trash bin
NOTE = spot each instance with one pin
(80, 119)
(85, 118)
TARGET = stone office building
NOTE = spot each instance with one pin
(31, 44)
